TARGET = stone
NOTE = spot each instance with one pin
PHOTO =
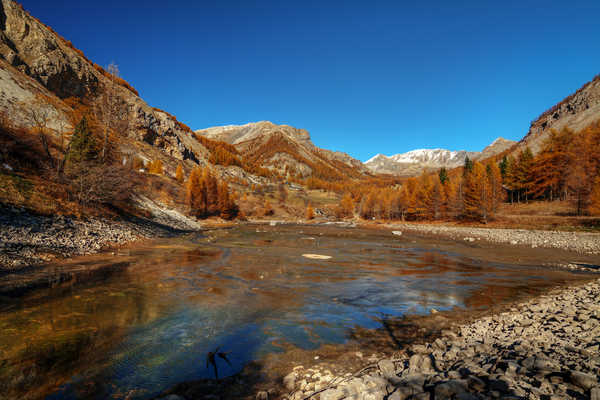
(172, 397)
(595, 393)
(387, 368)
(583, 380)
(289, 381)
(450, 388)
(262, 395)
(332, 394)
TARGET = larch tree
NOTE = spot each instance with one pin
(179, 174)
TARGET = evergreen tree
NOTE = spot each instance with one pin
(503, 166)
(443, 175)
(468, 166)
(83, 146)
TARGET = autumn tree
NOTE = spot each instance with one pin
(310, 212)
(156, 167)
(346, 207)
(111, 110)
(179, 174)
(594, 206)
(228, 209)
(38, 113)
(196, 195)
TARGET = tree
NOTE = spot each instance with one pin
(282, 193)
(228, 209)
(267, 209)
(156, 167)
(443, 175)
(594, 207)
(310, 212)
(196, 193)
(82, 147)
(37, 113)
(346, 207)
(468, 166)
(179, 174)
(111, 110)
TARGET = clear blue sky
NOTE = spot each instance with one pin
(363, 77)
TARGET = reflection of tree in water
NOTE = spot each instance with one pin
(50, 342)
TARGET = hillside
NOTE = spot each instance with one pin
(415, 162)
(285, 150)
(575, 112)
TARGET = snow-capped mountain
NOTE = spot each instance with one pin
(416, 161)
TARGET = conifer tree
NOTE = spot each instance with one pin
(179, 174)
(82, 146)
(443, 175)
(196, 193)
(310, 212)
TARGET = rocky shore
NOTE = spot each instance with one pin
(580, 242)
(545, 348)
(28, 239)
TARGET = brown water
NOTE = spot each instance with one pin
(148, 322)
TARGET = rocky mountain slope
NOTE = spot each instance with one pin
(415, 162)
(285, 149)
(28, 48)
(575, 112)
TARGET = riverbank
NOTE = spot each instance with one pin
(544, 348)
(579, 242)
(28, 239)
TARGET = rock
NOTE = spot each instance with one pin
(420, 363)
(595, 393)
(583, 380)
(387, 368)
(450, 388)
(262, 395)
(332, 394)
(289, 381)
(397, 233)
(172, 397)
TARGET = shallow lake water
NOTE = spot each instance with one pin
(149, 323)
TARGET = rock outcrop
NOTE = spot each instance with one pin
(30, 48)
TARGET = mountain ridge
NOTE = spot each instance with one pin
(416, 161)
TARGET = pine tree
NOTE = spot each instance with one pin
(468, 166)
(443, 175)
(82, 146)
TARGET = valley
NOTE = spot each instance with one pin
(141, 258)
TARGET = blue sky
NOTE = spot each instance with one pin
(362, 77)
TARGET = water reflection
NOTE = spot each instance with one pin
(150, 325)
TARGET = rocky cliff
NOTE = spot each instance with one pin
(575, 112)
(30, 48)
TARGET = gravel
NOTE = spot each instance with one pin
(27, 239)
(580, 242)
(545, 348)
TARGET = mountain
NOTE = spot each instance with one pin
(416, 161)
(575, 112)
(287, 150)
(59, 71)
